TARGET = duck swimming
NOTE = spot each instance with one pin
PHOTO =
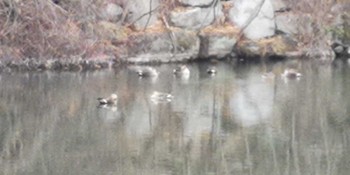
(111, 100)
(291, 74)
(212, 71)
(182, 71)
(147, 72)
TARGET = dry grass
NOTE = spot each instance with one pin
(320, 19)
(158, 27)
(273, 46)
(66, 28)
(43, 29)
(181, 9)
(225, 29)
(227, 5)
(73, 28)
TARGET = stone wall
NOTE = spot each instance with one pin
(199, 29)
(182, 30)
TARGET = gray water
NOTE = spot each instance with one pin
(232, 123)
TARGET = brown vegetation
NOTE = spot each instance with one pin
(315, 29)
(225, 29)
(45, 29)
(50, 29)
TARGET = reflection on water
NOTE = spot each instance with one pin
(233, 123)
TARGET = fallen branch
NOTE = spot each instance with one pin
(172, 35)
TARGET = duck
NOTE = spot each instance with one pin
(291, 74)
(110, 100)
(182, 71)
(147, 72)
(212, 71)
(158, 97)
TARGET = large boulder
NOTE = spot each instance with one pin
(112, 12)
(217, 46)
(217, 42)
(254, 17)
(195, 18)
(142, 13)
(341, 50)
(287, 23)
(176, 46)
(279, 5)
(279, 45)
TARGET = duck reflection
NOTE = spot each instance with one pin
(108, 101)
(254, 99)
(161, 97)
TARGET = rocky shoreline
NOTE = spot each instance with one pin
(73, 65)
(244, 51)
(187, 30)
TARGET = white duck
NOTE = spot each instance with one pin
(182, 71)
(291, 74)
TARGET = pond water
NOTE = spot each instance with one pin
(233, 123)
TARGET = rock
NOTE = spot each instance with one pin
(112, 12)
(195, 18)
(158, 58)
(90, 64)
(49, 63)
(12, 65)
(339, 49)
(42, 67)
(71, 64)
(28, 65)
(279, 5)
(280, 46)
(287, 23)
(141, 14)
(256, 24)
(217, 46)
(323, 54)
(158, 47)
(197, 3)
(75, 67)
(217, 42)
(56, 65)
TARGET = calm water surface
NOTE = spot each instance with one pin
(232, 123)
